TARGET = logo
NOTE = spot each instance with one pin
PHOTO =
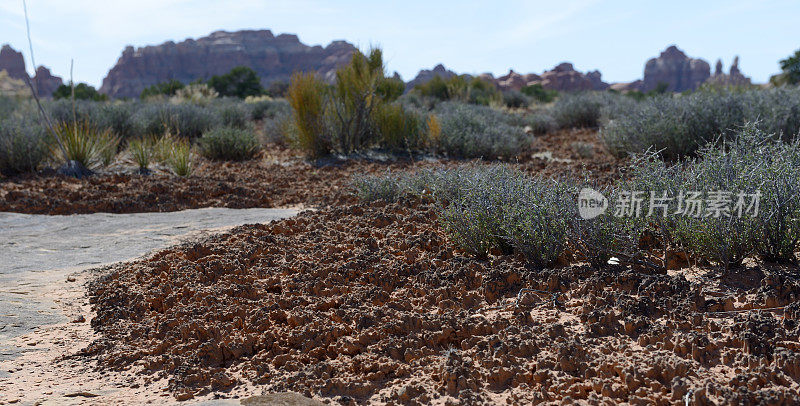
(591, 203)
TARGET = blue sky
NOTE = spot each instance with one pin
(616, 37)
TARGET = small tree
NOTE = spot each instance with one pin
(82, 92)
(168, 88)
(790, 71)
(240, 82)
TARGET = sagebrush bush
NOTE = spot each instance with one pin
(183, 120)
(578, 110)
(515, 99)
(470, 131)
(264, 108)
(540, 122)
(679, 126)
(234, 114)
(23, 145)
(228, 144)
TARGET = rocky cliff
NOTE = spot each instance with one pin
(563, 78)
(676, 70)
(272, 57)
(13, 63)
(426, 75)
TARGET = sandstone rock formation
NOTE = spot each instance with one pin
(516, 81)
(426, 75)
(733, 78)
(274, 58)
(46, 82)
(627, 86)
(565, 78)
(13, 63)
(676, 70)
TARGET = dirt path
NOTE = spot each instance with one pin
(44, 314)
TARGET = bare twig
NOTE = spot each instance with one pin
(34, 93)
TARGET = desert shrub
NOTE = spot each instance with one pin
(184, 120)
(539, 93)
(275, 128)
(23, 145)
(578, 110)
(8, 105)
(142, 151)
(371, 188)
(680, 126)
(461, 88)
(354, 100)
(278, 88)
(540, 122)
(390, 88)
(790, 71)
(307, 96)
(195, 93)
(399, 128)
(168, 88)
(228, 144)
(353, 114)
(117, 117)
(176, 152)
(477, 131)
(83, 91)
(85, 143)
(234, 114)
(750, 162)
(515, 99)
(267, 108)
(240, 82)
(484, 209)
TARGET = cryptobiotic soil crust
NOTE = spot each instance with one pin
(278, 178)
(370, 304)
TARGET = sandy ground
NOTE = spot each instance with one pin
(44, 312)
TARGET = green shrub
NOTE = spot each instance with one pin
(398, 128)
(461, 88)
(23, 145)
(539, 93)
(176, 153)
(307, 96)
(790, 71)
(168, 88)
(515, 99)
(83, 91)
(228, 144)
(240, 82)
(142, 152)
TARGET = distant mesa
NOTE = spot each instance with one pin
(274, 58)
(13, 63)
(563, 77)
